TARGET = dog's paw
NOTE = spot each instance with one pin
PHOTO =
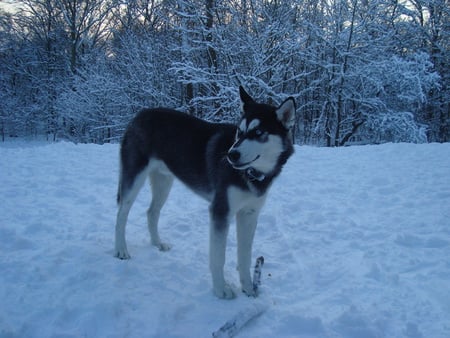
(160, 245)
(122, 254)
(250, 292)
(248, 288)
(227, 292)
(164, 246)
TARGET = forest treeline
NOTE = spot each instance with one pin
(360, 71)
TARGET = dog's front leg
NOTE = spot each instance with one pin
(246, 221)
(218, 233)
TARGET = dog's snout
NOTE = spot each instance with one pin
(234, 155)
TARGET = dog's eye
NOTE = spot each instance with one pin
(260, 135)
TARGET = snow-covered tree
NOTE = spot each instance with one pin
(355, 67)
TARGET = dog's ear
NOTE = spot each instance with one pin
(245, 98)
(286, 113)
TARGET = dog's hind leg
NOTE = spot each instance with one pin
(161, 183)
(127, 196)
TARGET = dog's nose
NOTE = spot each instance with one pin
(234, 155)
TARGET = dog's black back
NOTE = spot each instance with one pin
(192, 149)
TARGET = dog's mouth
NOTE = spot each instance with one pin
(241, 166)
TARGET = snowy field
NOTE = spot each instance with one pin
(356, 242)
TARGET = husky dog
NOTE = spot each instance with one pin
(231, 166)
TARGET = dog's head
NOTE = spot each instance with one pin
(263, 135)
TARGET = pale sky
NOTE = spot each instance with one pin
(8, 5)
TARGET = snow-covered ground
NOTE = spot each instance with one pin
(356, 243)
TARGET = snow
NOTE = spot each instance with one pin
(356, 243)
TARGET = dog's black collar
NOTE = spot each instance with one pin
(254, 175)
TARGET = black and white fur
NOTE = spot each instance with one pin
(231, 167)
